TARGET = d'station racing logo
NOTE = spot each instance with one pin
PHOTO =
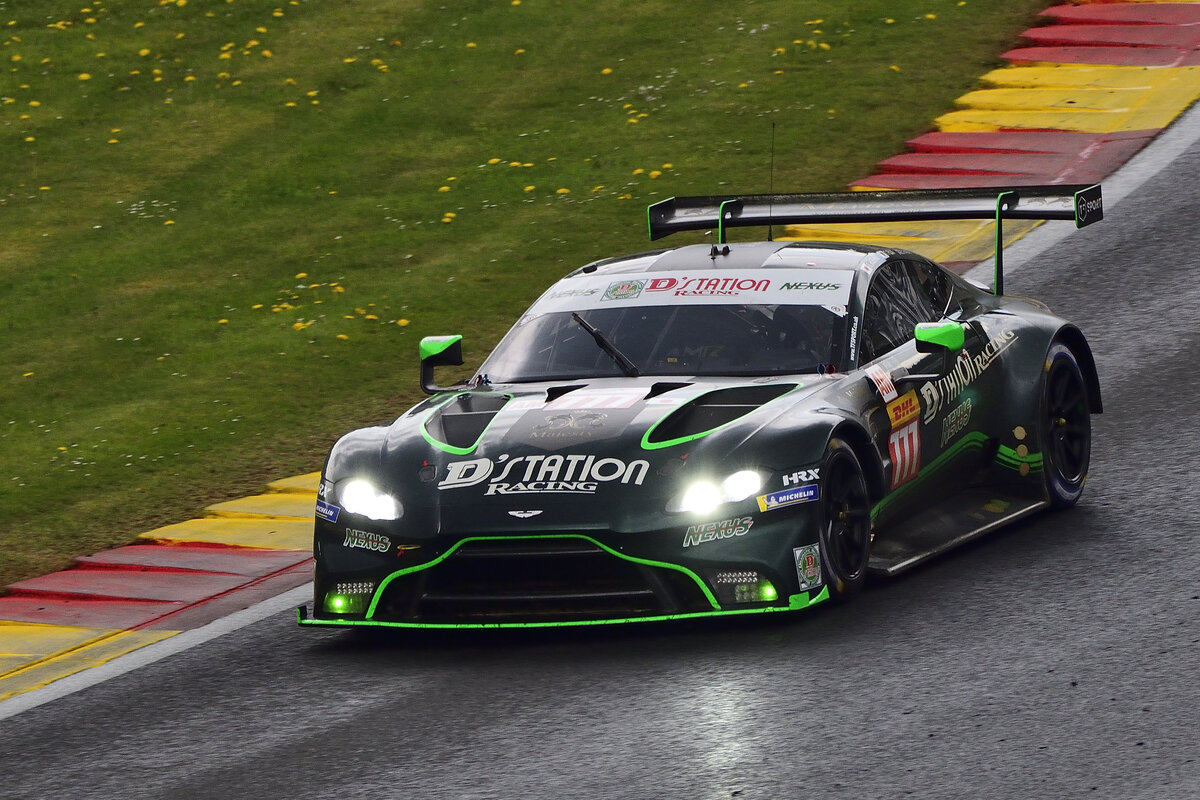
(543, 474)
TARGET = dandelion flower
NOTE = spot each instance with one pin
(530, 188)
(30, 374)
(606, 71)
(343, 337)
(83, 76)
(402, 322)
(443, 188)
(145, 51)
(169, 222)
(222, 321)
(894, 68)
(564, 190)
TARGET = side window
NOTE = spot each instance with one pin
(893, 308)
(933, 285)
(902, 294)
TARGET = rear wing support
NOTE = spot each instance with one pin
(1081, 203)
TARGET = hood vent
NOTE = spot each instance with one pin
(458, 425)
(710, 411)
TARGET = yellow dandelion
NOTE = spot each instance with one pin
(493, 161)
(260, 29)
(471, 44)
(562, 191)
(222, 321)
(931, 16)
(518, 51)
(823, 46)
(343, 337)
(371, 317)
(300, 275)
(30, 374)
(34, 103)
(267, 54)
(779, 51)
(668, 165)
(450, 214)
(169, 222)
(597, 188)
(606, 71)
(30, 139)
(889, 21)
(290, 104)
(402, 322)
(443, 188)
(339, 289)
(654, 173)
(349, 60)
(894, 68)
(145, 51)
(83, 76)
(113, 141)
(638, 171)
(530, 188)
(43, 188)
(256, 306)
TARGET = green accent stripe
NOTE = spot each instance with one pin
(644, 561)
(972, 441)
(796, 602)
(1008, 457)
(648, 445)
(449, 448)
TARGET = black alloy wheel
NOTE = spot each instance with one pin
(1066, 435)
(845, 534)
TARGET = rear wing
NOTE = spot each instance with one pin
(1082, 203)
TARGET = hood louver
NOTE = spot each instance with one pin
(710, 411)
(458, 425)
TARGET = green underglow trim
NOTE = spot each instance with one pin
(449, 448)
(644, 561)
(796, 602)
(434, 345)
(648, 445)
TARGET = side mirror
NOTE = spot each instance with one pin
(939, 337)
(947, 338)
(438, 351)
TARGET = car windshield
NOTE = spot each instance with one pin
(694, 340)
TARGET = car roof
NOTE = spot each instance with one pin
(744, 255)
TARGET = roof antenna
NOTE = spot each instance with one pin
(771, 187)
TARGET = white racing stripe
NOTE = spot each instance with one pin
(148, 655)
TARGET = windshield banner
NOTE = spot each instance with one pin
(793, 287)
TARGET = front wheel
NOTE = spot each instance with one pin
(1066, 428)
(845, 521)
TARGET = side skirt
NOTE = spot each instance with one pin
(955, 521)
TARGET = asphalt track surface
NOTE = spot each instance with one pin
(1059, 658)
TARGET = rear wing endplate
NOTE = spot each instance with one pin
(1081, 203)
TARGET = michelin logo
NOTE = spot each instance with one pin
(788, 497)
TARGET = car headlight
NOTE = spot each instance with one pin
(704, 496)
(361, 497)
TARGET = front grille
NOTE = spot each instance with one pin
(531, 580)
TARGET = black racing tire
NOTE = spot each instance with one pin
(1066, 427)
(844, 536)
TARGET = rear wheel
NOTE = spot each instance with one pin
(845, 532)
(1066, 428)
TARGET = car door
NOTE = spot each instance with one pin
(902, 293)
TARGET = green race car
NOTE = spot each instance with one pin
(737, 428)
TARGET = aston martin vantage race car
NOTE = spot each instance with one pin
(715, 429)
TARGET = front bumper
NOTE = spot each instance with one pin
(553, 580)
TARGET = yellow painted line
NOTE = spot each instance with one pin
(949, 240)
(299, 505)
(297, 483)
(264, 532)
(1071, 97)
(32, 655)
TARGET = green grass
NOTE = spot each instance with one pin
(212, 240)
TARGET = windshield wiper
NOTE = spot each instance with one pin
(628, 367)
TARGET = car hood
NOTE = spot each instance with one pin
(556, 448)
